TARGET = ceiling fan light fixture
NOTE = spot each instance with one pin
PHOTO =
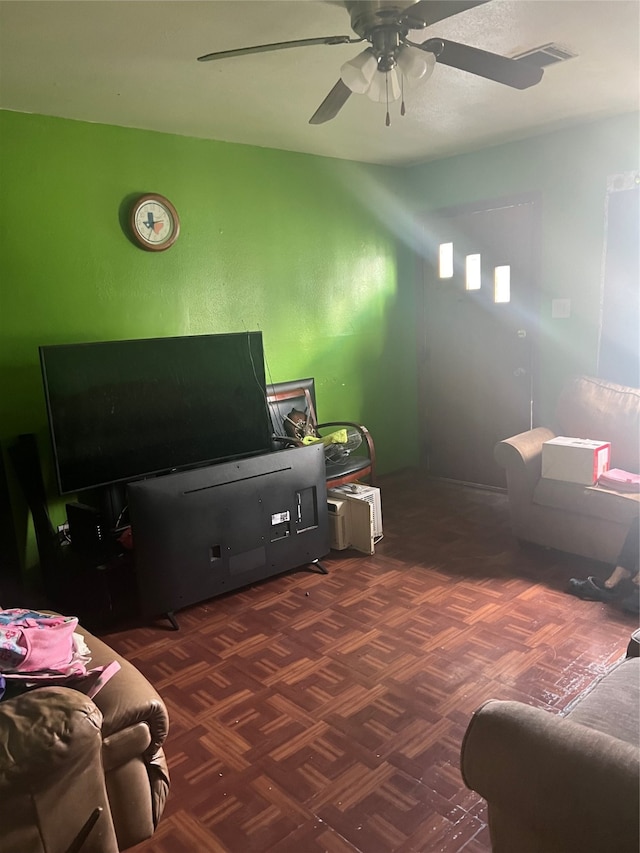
(385, 87)
(358, 72)
(416, 65)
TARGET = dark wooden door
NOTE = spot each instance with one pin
(476, 340)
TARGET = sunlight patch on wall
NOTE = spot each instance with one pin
(473, 275)
(502, 284)
(445, 260)
(370, 286)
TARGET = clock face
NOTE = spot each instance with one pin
(154, 222)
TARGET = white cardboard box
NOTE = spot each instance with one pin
(575, 460)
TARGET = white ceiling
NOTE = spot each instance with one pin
(134, 64)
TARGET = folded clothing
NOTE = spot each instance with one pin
(620, 481)
(41, 648)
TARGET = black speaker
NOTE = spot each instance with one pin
(26, 462)
(9, 555)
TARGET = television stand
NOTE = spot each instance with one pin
(171, 617)
(319, 569)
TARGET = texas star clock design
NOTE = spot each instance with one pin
(154, 222)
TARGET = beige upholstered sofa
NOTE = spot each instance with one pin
(582, 520)
(561, 784)
(63, 756)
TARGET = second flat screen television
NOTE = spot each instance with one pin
(122, 410)
(204, 532)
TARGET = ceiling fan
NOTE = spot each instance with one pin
(386, 25)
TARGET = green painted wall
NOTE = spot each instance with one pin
(569, 169)
(317, 253)
(289, 244)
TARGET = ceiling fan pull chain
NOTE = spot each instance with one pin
(387, 121)
(402, 107)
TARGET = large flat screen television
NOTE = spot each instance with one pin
(122, 410)
(203, 532)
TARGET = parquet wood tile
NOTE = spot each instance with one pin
(326, 712)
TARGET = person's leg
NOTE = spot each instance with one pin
(629, 554)
(593, 589)
(629, 560)
(617, 575)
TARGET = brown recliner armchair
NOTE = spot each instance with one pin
(64, 756)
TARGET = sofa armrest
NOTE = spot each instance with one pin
(573, 787)
(128, 698)
(521, 456)
(51, 777)
(41, 729)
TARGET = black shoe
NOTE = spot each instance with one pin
(592, 589)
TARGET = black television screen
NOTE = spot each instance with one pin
(122, 410)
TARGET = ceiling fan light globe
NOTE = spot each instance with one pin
(416, 65)
(385, 87)
(357, 73)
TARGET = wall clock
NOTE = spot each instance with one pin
(155, 224)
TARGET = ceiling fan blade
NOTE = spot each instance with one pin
(516, 73)
(332, 104)
(281, 45)
(432, 11)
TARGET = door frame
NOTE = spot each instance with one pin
(426, 257)
(608, 316)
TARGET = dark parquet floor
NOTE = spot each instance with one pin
(325, 713)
